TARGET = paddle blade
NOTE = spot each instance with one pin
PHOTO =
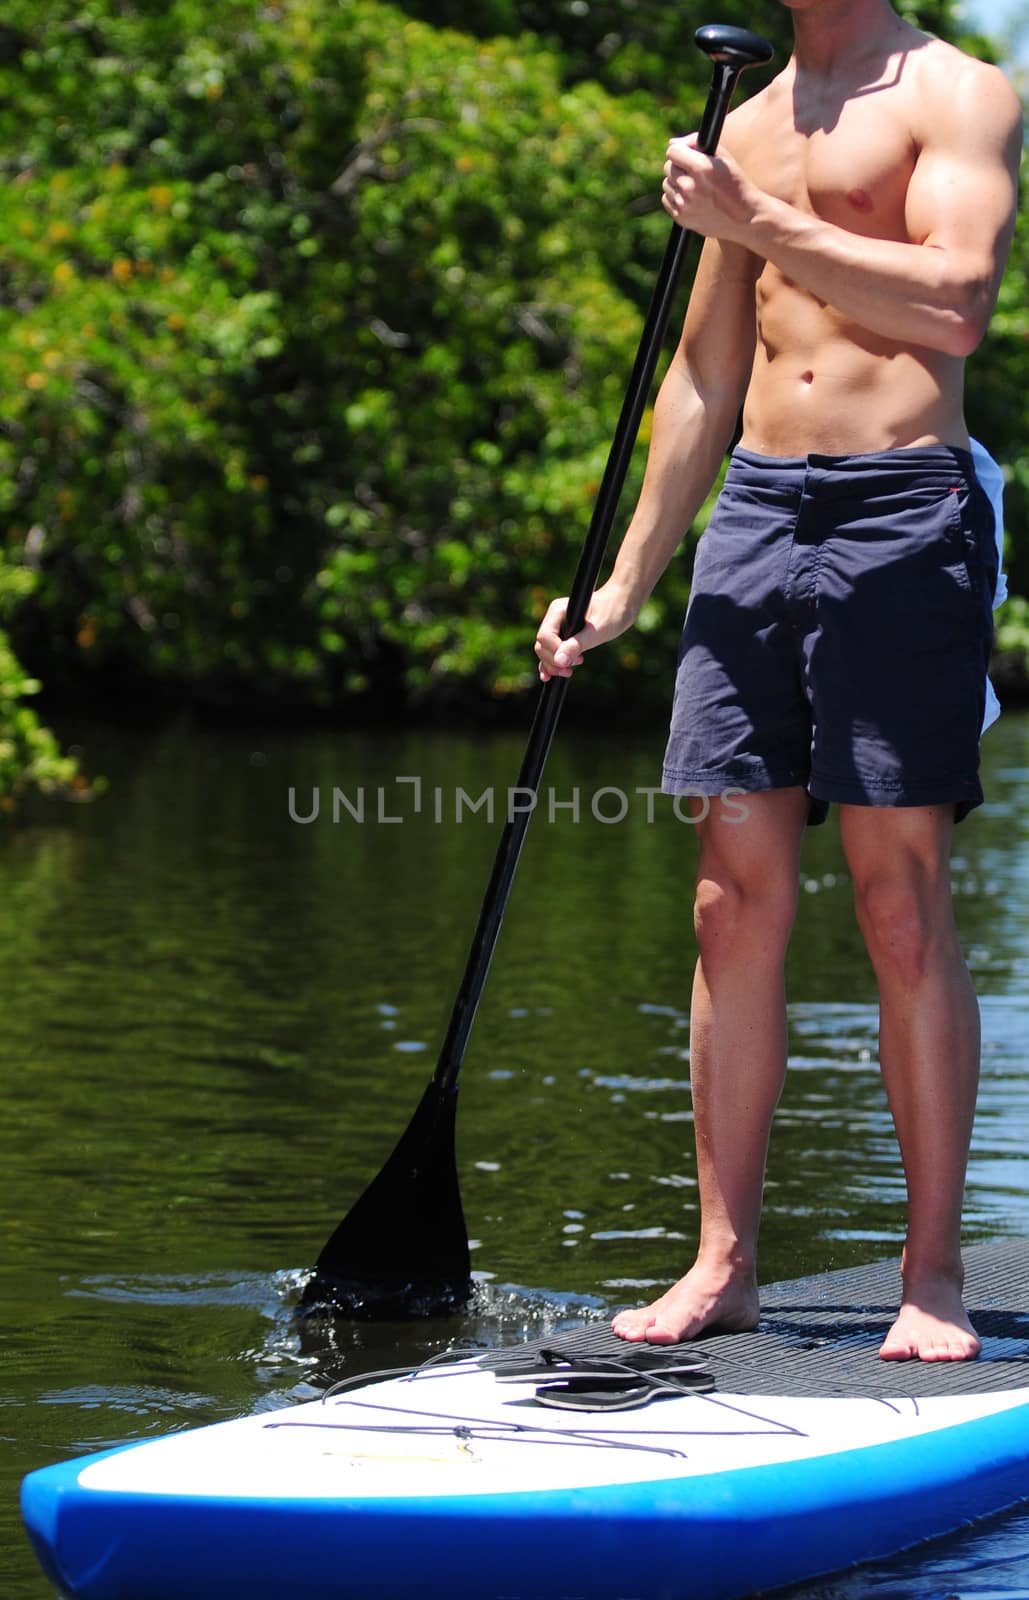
(402, 1250)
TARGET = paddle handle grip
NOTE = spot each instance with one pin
(731, 57)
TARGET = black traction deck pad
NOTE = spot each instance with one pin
(821, 1335)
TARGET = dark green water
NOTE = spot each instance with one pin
(217, 1019)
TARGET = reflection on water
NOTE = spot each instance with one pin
(217, 1021)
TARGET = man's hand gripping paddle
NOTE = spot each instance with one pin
(402, 1248)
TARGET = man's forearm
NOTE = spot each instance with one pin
(914, 293)
(691, 432)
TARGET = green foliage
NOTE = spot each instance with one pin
(998, 412)
(332, 413)
(625, 45)
(143, 306)
(1011, 645)
(29, 756)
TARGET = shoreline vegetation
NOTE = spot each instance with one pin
(316, 318)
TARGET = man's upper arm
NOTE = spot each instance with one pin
(964, 189)
(719, 334)
(720, 329)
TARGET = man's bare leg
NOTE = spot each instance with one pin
(745, 903)
(929, 1051)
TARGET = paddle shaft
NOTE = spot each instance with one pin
(548, 710)
(402, 1249)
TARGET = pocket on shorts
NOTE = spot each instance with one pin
(964, 561)
(923, 561)
(974, 564)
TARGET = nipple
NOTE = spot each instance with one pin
(860, 200)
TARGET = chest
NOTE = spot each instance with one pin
(849, 163)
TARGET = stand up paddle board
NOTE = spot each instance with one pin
(807, 1454)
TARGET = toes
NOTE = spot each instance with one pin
(632, 1326)
(941, 1346)
(627, 1320)
(660, 1333)
(958, 1350)
(897, 1352)
(898, 1346)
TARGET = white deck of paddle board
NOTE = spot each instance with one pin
(330, 1449)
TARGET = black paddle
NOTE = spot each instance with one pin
(402, 1249)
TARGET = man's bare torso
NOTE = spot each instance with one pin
(845, 151)
(856, 220)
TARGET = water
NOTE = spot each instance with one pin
(217, 1020)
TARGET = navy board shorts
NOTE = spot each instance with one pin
(838, 633)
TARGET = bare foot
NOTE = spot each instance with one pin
(707, 1298)
(933, 1325)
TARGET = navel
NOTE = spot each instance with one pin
(860, 200)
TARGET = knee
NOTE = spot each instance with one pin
(897, 922)
(731, 912)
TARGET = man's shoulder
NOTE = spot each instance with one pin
(750, 120)
(951, 90)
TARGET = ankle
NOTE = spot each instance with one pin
(726, 1258)
(931, 1267)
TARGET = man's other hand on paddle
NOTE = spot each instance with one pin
(609, 614)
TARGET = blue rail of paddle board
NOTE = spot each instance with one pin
(713, 1537)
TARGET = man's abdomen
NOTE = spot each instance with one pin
(821, 383)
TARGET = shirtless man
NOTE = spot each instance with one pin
(857, 221)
